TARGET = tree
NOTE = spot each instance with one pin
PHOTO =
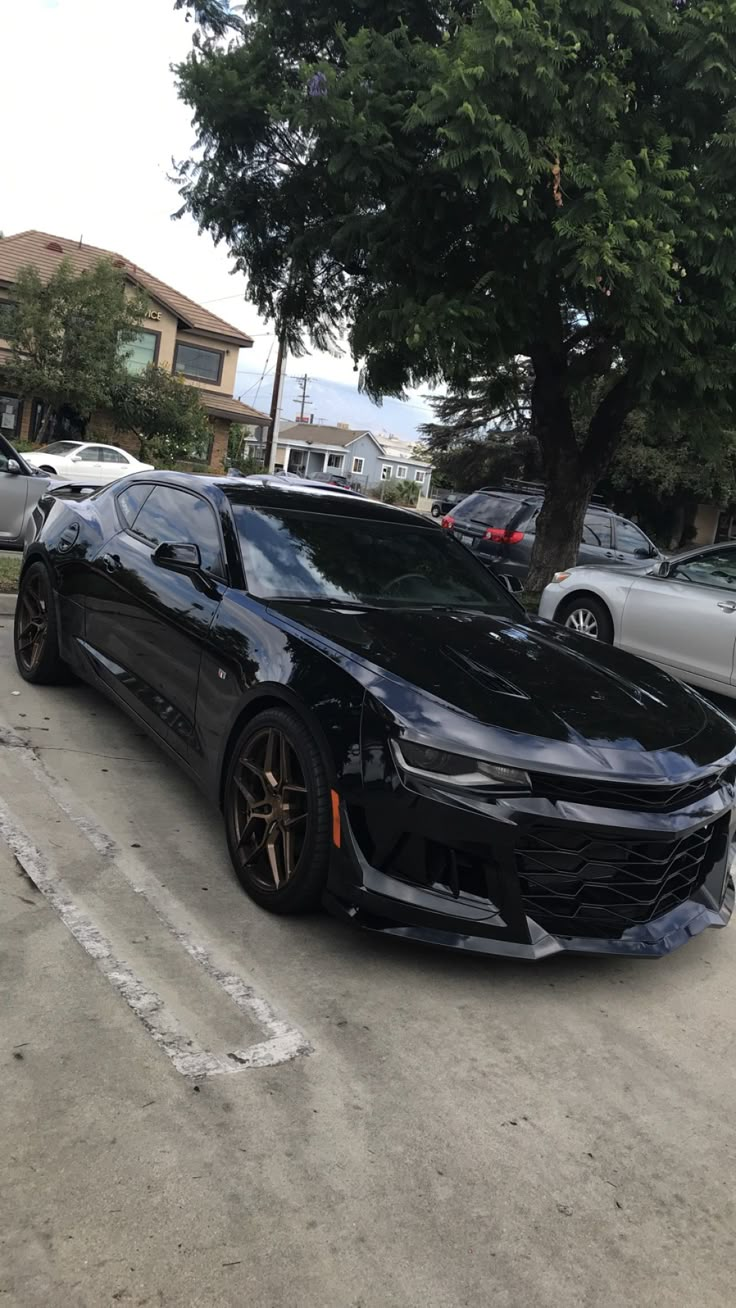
(67, 338)
(164, 413)
(466, 187)
(665, 468)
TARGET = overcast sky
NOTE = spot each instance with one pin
(89, 123)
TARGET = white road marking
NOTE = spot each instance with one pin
(283, 1041)
(187, 1057)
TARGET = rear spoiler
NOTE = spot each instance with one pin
(70, 491)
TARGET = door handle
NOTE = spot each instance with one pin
(111, 562)
(728, 606)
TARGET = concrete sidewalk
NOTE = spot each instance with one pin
(460, 1132)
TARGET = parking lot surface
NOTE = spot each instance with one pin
(204, 1105)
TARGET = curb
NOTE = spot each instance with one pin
(7, 605)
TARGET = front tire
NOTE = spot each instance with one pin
(587, 616)
(278, 813)
(436, 511)
(36, 630)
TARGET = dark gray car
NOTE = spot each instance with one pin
(500, 526)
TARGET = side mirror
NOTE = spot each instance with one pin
(178, 558)
(643, 553)
(13, 467)
(76, 458)
(664, 568)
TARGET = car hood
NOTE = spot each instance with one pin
(551, 698)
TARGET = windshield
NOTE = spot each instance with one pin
(63, 447)
(325, 558)
(490, 510)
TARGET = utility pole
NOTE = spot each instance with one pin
(303, 384)
(276, 405)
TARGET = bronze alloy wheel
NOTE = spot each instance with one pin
(270, 816)
(33, 622)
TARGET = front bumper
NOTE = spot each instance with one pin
(504, 900)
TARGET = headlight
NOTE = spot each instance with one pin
(457, 769)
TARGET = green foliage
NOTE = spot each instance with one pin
(65, 336)
(240, 454)
(165, 413)
(395, 491)
(465, 185)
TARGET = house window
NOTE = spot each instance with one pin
(419, 474)
(11, 413)
(401, 472)
(142, 351)
(198, 363)
(334, 460)
(358, 465)
(7, 318)
(386, 472)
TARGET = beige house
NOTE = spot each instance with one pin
(177, 334)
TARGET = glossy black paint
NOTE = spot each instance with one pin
(192, 656)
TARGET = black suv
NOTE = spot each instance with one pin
(500, 525)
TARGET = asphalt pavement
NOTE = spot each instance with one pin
(204, 1105)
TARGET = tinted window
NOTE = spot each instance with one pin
(195, 361)
(131, 501)
(324, 557)
(180, 518)
(597, 530)
(629, 539)
(488, 510)
(717, 570)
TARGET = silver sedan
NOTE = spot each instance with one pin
(679, 613)
(21, 487)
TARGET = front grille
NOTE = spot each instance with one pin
(652, 798)
(576, 884)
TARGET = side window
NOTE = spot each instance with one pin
(131, 501)
(717, 570)
(91, 454)
(109, 455)
(629, 540)
(181, 518)
(597, 531)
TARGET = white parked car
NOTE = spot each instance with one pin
(95, 465)
(679, 613)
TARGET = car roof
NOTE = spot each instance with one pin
(276, 492)
(531, 496)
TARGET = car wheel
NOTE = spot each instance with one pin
(46, 467)
(587, 616)
(278, 813)
(36, 632)
(436, 511)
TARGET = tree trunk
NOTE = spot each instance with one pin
(45, 422)
(571, 470)
(559, 527)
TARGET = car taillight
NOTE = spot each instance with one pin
(448, 520)
(501, 537)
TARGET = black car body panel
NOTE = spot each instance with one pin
(621, 841)
(500, 526)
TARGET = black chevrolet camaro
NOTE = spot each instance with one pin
(384, 728)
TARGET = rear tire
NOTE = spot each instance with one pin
(436, 511)
(278, 813)
(36, 630)
(587, 616)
